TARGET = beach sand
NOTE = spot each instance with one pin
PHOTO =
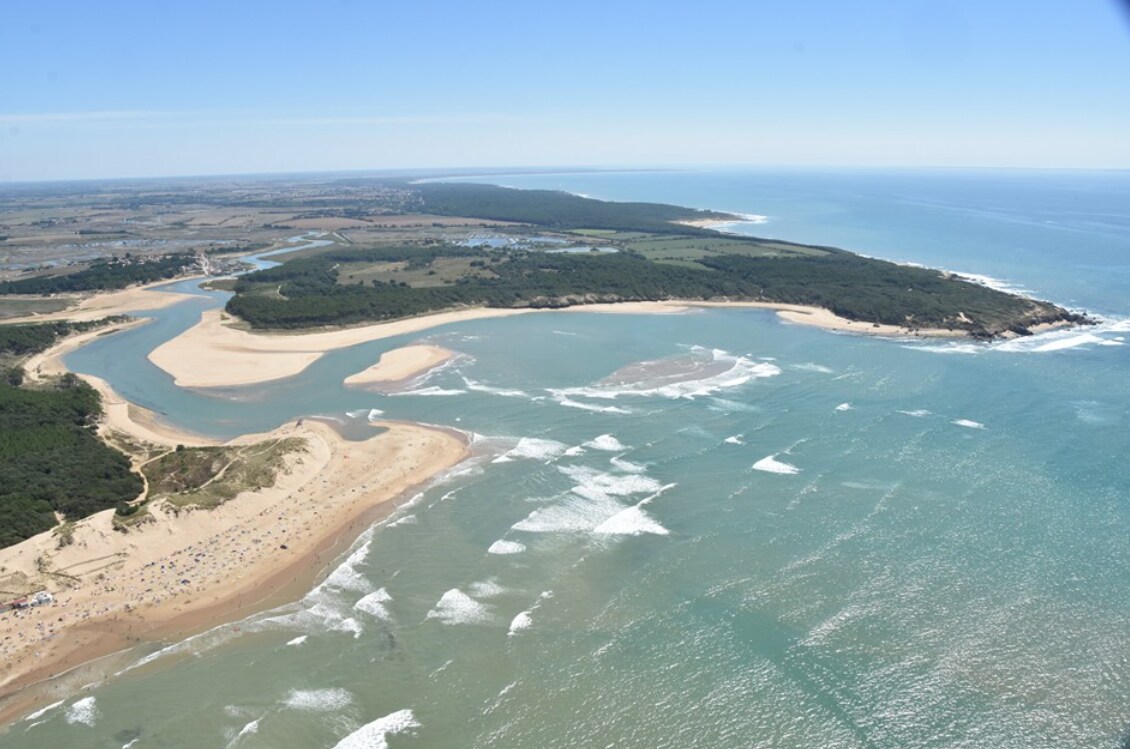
(212, 354)
(189, 571)
(127, 301)
(400, 365)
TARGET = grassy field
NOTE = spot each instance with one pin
(16, 307)
(442, 271)
(207, 477)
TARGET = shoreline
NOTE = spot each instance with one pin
(252, 553)
(212, 354)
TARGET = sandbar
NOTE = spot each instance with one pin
(401, 364)
(212, 354)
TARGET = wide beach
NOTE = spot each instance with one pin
(188, 571)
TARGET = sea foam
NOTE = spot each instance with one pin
(456, 607)
(506, 547)
(533, 448)
(318, 700)
(374, 604)
(522, 621)
(700, 373)
(375, 735)
(770, 464)
(633, 521)
(968, 424)
(84, 711)
(605, 442)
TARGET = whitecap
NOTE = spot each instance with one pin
(375, 735)
(521, 622)
(533, 448)
(606, 442)
(734, 440)
(809, 367)
(298, 641)
(429, 391)
(83, 711)
(406, 520)
(250, 728)
(574, 515)
(486, 589)
(633, 521)
(567, 402)
(843, 407)
(573, 452)
(504, 392)
(456, 607)
(770, 464)
(43, 711)
(1058, 340)
(318, 700)
(374, 604)
(917, 413)
(506, 547)
(968, 424)
(596, 484)
(370, 414)
(627, 466)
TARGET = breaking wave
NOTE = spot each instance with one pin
(84, 711)
(506, 547)
(456, 607)
(375, 735)
(699, 373)
(770, 464)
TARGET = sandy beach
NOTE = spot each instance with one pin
(212, 354)
(190, 571)
(400, 365)
(124, 302)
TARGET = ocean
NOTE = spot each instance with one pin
(710, 529)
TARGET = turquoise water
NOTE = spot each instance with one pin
(710, 529)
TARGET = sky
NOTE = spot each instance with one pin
(140, 89)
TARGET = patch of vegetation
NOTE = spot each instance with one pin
(52, 461)
(105, 275)
(207, 477)
(860, 288)
(22, 340)
(23, 307)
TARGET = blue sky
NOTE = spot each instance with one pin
(120, 89)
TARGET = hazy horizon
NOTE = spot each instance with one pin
(110, 91)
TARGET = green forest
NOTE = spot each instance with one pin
(104, 275)
(559, 210)
(313, 291)
(52, 461)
